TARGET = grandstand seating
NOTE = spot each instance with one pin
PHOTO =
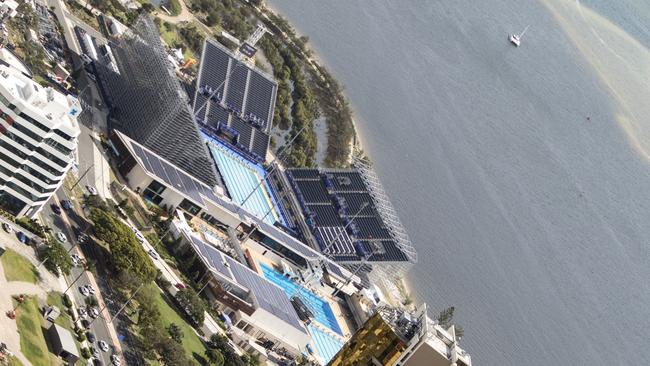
(249, 99)
(329, 200)
(237, 87)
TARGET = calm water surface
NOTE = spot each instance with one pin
(530, 218)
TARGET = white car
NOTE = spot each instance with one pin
(82, 312)
(93, 312)
(90, 288)
(91, 190)
(7, 227)
(103, 346)
(84, 290)
(139, 236)
(61, 237)
(75, 259)
(115, 360)
(153, 254)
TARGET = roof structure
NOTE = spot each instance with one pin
(264, 293)
(64, 339)
(191, 187)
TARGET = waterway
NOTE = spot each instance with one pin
(522, 174)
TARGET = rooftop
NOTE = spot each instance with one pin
(46, 102)
(203, 195)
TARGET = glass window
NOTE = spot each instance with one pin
(156, 187)
(10, 203)
(190, 207)
(34, 122)
(64, 135)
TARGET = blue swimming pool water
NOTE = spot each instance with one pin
(241, 178)
(321, 309)
(326, 345)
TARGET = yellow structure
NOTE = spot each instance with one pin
(374, 340)
(393, 337)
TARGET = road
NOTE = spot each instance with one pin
(69, 222)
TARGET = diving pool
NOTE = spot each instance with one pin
(322, 311)
(326, 345)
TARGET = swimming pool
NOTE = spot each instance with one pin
(243, 177)
(321, 309)
(326, 345)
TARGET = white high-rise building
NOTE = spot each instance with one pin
(38, 141)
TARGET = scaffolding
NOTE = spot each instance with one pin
(149, 104)
(393, 271)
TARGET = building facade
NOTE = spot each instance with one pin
(38, 141)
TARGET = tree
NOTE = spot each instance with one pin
(214, 356)
(57, 258)
(175, 332)
(251, 359)
(190, 301)
(445, 317)
(126, 251)
(172, 353)
(220, 342)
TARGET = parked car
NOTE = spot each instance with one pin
(179, 286)
(91, 190)
(93, 312)
(7, 227)
(66, 204)
(91, 337)
(153, 254)
(84, 290)
(61, 237)
(103, 346)
(82, 238)
(75, 259)
(22, 237)
(85, 323)
(115, 360)
(90, 288)
(55, 208)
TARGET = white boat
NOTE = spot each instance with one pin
(516, 38)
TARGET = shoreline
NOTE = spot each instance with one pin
(405, 289)
(312, 62)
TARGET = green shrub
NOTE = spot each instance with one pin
(66, 301)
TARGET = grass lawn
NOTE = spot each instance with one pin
(191, 342)
(17, 268)
(32, 340)
(13, 361)
(55, 298)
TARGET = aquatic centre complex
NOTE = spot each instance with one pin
(300, 264)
